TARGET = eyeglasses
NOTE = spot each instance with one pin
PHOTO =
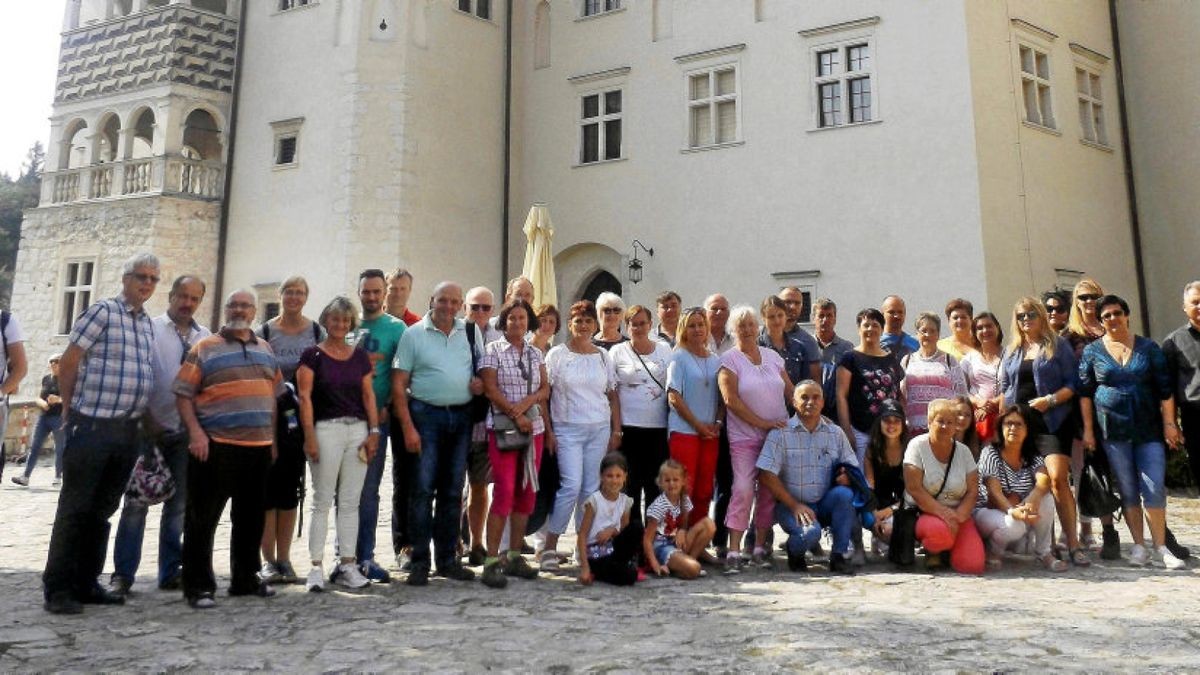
(611, 310)
(144, 278)
(1013, 424)
(1026, 316)
(239, 305)
(1115, 314)
(480, 308)
(1056, 309)
(1087, 297)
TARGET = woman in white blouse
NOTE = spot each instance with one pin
(641, 365)
(585, 416)
(981, 367)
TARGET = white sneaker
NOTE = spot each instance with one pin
(316, 580)
(57, 482)
(1169, 560)
(1139, 556)
(349, 576)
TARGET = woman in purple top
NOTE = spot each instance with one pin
(341, 435)
(754, 385)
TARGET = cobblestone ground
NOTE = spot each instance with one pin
(1112, 617)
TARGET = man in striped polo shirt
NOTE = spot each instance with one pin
(105, 378)
(226, 392)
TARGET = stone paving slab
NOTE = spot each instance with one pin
(1112, 617)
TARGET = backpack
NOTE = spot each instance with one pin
(266, 331)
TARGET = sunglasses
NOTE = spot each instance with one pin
(480, 308)
(1087, 297)
(1109, 316)
(144, 278)
(1026, 316)
(1056, 309)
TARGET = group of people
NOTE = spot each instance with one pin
(672, 439)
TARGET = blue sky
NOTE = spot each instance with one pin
(29, 37)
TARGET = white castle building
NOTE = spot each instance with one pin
(854, 148)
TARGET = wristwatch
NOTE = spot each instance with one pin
(373, 430)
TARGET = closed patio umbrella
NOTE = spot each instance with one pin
(539, 256)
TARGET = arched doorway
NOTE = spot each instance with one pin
(601, 282)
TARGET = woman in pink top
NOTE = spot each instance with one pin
(754, 385)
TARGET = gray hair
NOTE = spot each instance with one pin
(741, 313)
(183, 279)
(807, 382)
(930, 317)
(1191, 286)
(609, 299)
(824, 303)
(140, 260)
(340, 306)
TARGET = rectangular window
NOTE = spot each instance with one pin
(600, 126)
(293, 4)
(285, 150)
(1035, 87)
(480, 8)
(78, 283)
(712, 106)
(594, 7)
(844, 73)
(1091, 106)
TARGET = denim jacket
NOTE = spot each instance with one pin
(1049, 375)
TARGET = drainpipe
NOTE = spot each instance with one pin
(223, 227)
(508, 37)
(1130, 189)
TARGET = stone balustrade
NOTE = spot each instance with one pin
(133, 177)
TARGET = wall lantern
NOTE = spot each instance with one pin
(635, 265)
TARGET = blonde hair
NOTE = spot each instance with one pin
(681, 329)
(673, 465)
(1048, 340)
(294, 280)
(940, 406)
(1075, 323)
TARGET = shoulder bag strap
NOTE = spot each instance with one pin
(647, 369)
(949, 465)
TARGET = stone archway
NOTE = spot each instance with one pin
(601, 282)
(577, 268)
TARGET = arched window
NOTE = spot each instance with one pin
(201, 134)
(603, 281)
(106, 144)
(541, 35)
(74, 146)
(142, 143)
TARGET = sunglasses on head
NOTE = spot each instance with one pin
(1087, 297)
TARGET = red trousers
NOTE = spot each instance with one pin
(699, 456)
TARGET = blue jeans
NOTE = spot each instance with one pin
(47, 424)
(440, 471)
(1141, 470)
(835, 511)
(131, 529)
(368, 503)
(96, 465)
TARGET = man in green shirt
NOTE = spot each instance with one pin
(379, 333)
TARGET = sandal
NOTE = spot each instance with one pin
(1079, 558)
(1053, 564)
(994, 564)
(548, 561)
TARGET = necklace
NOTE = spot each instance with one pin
(700, 366)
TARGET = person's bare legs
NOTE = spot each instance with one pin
(477, 514)
(1059, 468)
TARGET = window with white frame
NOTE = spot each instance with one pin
(600, 119)
(78, 285)
(480, 8)
(286, 152)
(594, 7)
(713, 106)
(1091, 105)
(843, 82)
(285, 5)
(1035, 86)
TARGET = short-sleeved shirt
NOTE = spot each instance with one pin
(579, 385)
(1012, 481)
(831, 355)
(607, 345)
(659, 335)
(1182, 348)
(695, 379)
(606, 514)
(234, 385)
(1128, 397)
(983, 378)
(899, 344)
(379, 337)
(170, 349)
(926, 379)
(439, 365)
(518, 373)
(801, 351)
(920, 454)
(289, 346)
(337, 384)
(668, 517)
(118, 371)
(641, 384)
(50, 387)
(873, 380)
(804, 460)
(12, 335)
(761, 388)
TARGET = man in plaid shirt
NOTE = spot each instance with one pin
(105, 378)
(797, 465)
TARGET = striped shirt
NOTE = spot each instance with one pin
(118, 368)
(1012, 481)
(804, 459)
(234, 385)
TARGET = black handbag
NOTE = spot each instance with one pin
(1097, 498)
(902, 547)
(477, 408)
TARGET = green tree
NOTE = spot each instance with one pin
(16, 196)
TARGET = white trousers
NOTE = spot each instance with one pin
(339, 472)
(1001, 531)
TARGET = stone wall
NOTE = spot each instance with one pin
(181, 232)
